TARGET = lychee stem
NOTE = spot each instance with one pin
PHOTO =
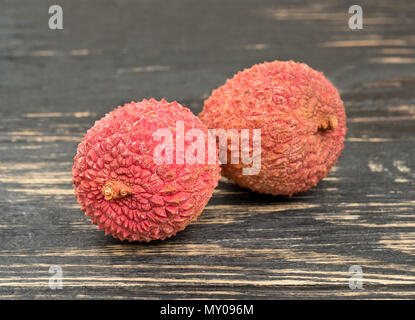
(329, 123)
(114, 190)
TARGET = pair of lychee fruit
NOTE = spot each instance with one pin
(127, 193)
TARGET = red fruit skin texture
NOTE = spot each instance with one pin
(302, 122)
(158, 200)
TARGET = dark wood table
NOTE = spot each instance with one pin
(55, 83)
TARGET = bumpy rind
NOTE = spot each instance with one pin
(117, 153)
(302, 122)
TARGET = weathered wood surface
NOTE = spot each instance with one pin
(55, 84)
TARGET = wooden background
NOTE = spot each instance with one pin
(55, 84)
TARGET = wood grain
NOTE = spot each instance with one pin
(55, 84)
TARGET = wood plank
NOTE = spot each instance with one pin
(55, 84)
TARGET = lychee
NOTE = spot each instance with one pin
(301, 118)
(121, 186)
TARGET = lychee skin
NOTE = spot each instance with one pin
(123, 190)
(302, 122)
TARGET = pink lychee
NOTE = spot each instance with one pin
(121, 187)
(301, 118)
